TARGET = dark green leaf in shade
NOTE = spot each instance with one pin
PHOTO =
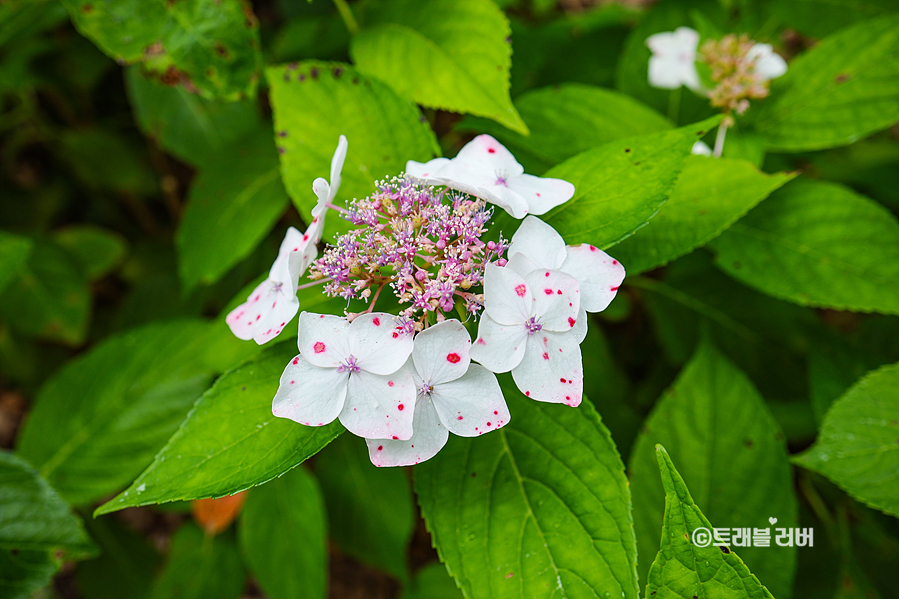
(283, 535)
(709, 196)
(370, 509)
(201, 567)
(432, 582)
(731, 453)
(539, 508)
(106, 160)
(314, 103)
(230, 441)
(100, 419)
(22, 19)
(858, 444)
(211, 49)
(843, 89)
(233, 204)
(125, 567)
(49, 298)
(682, 570)
(23, 572)
(619, 186)
(569, 119)
(817, 244)
(452, 55)
(819, 18)
(98, 251)
(193, 129)
(34, 517)
(14, 252)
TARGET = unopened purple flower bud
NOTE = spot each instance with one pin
(421, 275)
(491, 246)
(441, 244)
(501, 262)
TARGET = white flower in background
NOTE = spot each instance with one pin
(768, 64)
(274, 302)
(700, 148)
(673, 61)
(453, 396)
(486, 169)
(536, 245)
(527, 327)
(351, 371)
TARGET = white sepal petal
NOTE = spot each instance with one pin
(541, 194)
(580, 326)
(427, 171)
(323, 339)
(428, 437)
(499, 347)
(441, 352)
(552, 369)
(768, 64)
(556, 298)
(539, 242)
(471, 405)
(598, 274)
(308, 394)
(378, 346)
(379, 406)
(507, 297)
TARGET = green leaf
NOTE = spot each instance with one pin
(208, 49)
(193, 129)
(23, 572)
(201, 567)
(432, 582)
(106, 160)
(710, 195)
(818, 18)
(452, 55)
(314, 103)
(370, 508)
(101, 418)
(96, 250)
(230, 209)
(858, 445)
(731, 453)
(34, 516)
(125, 567)
(49, 298)
(843, 89)
(683, 570)
(14, 251)
(569, 119)
(283, 535)
(230, 441)
(817, 244)
(619, 186)
(540, 508)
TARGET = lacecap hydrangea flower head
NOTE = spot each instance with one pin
(405, 379)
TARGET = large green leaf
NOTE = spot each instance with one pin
(193, 129)
(858, 445)
(201, 567)
(96, 250)
(208, 48)
(449, 54)
(817, 244)
(125, 567)
(14, 251)
(314, 103)
(23, 572)
(619, 186)
(370, 509)
(568, 119)
(683, 570)
(710, 195)
(104, 415)
(540, 508)
(283, 534)
(731, 453)
(233, 204)
(432, 582)
(230, 441)
(841, 90)
(818, 18)
(49, 297)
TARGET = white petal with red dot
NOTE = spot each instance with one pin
(324, 339)
(556, 299)
(539, 242)
(428, 437)
(276, 315)
(471, 405)
(499, 347)
(243, 319)
(427, 171)
(579, 330)
(377, 344)
(441, 352)
(379, 406)
(310, 395)
(551, 369)
(541, 194)
(598, 274)
(507, 297)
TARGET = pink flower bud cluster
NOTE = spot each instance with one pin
(732, 64)
(425, 242)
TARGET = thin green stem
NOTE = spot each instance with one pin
(347, 15)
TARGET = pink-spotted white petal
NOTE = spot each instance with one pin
(471, 405)
(278, 313)
(309, 394)
(551, 369)
(428, 437)
(539, 243)
(579, 330)
(427, 171)
(504, 197)
(379, 406)
(556, 299)
(243, 319)
(441, 351)
(323, 339)
(377, 344)
(499, 347)
(598, 274)
(280, 270)
(507, 296)
(541, 194)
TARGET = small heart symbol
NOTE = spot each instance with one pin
(773, 521)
